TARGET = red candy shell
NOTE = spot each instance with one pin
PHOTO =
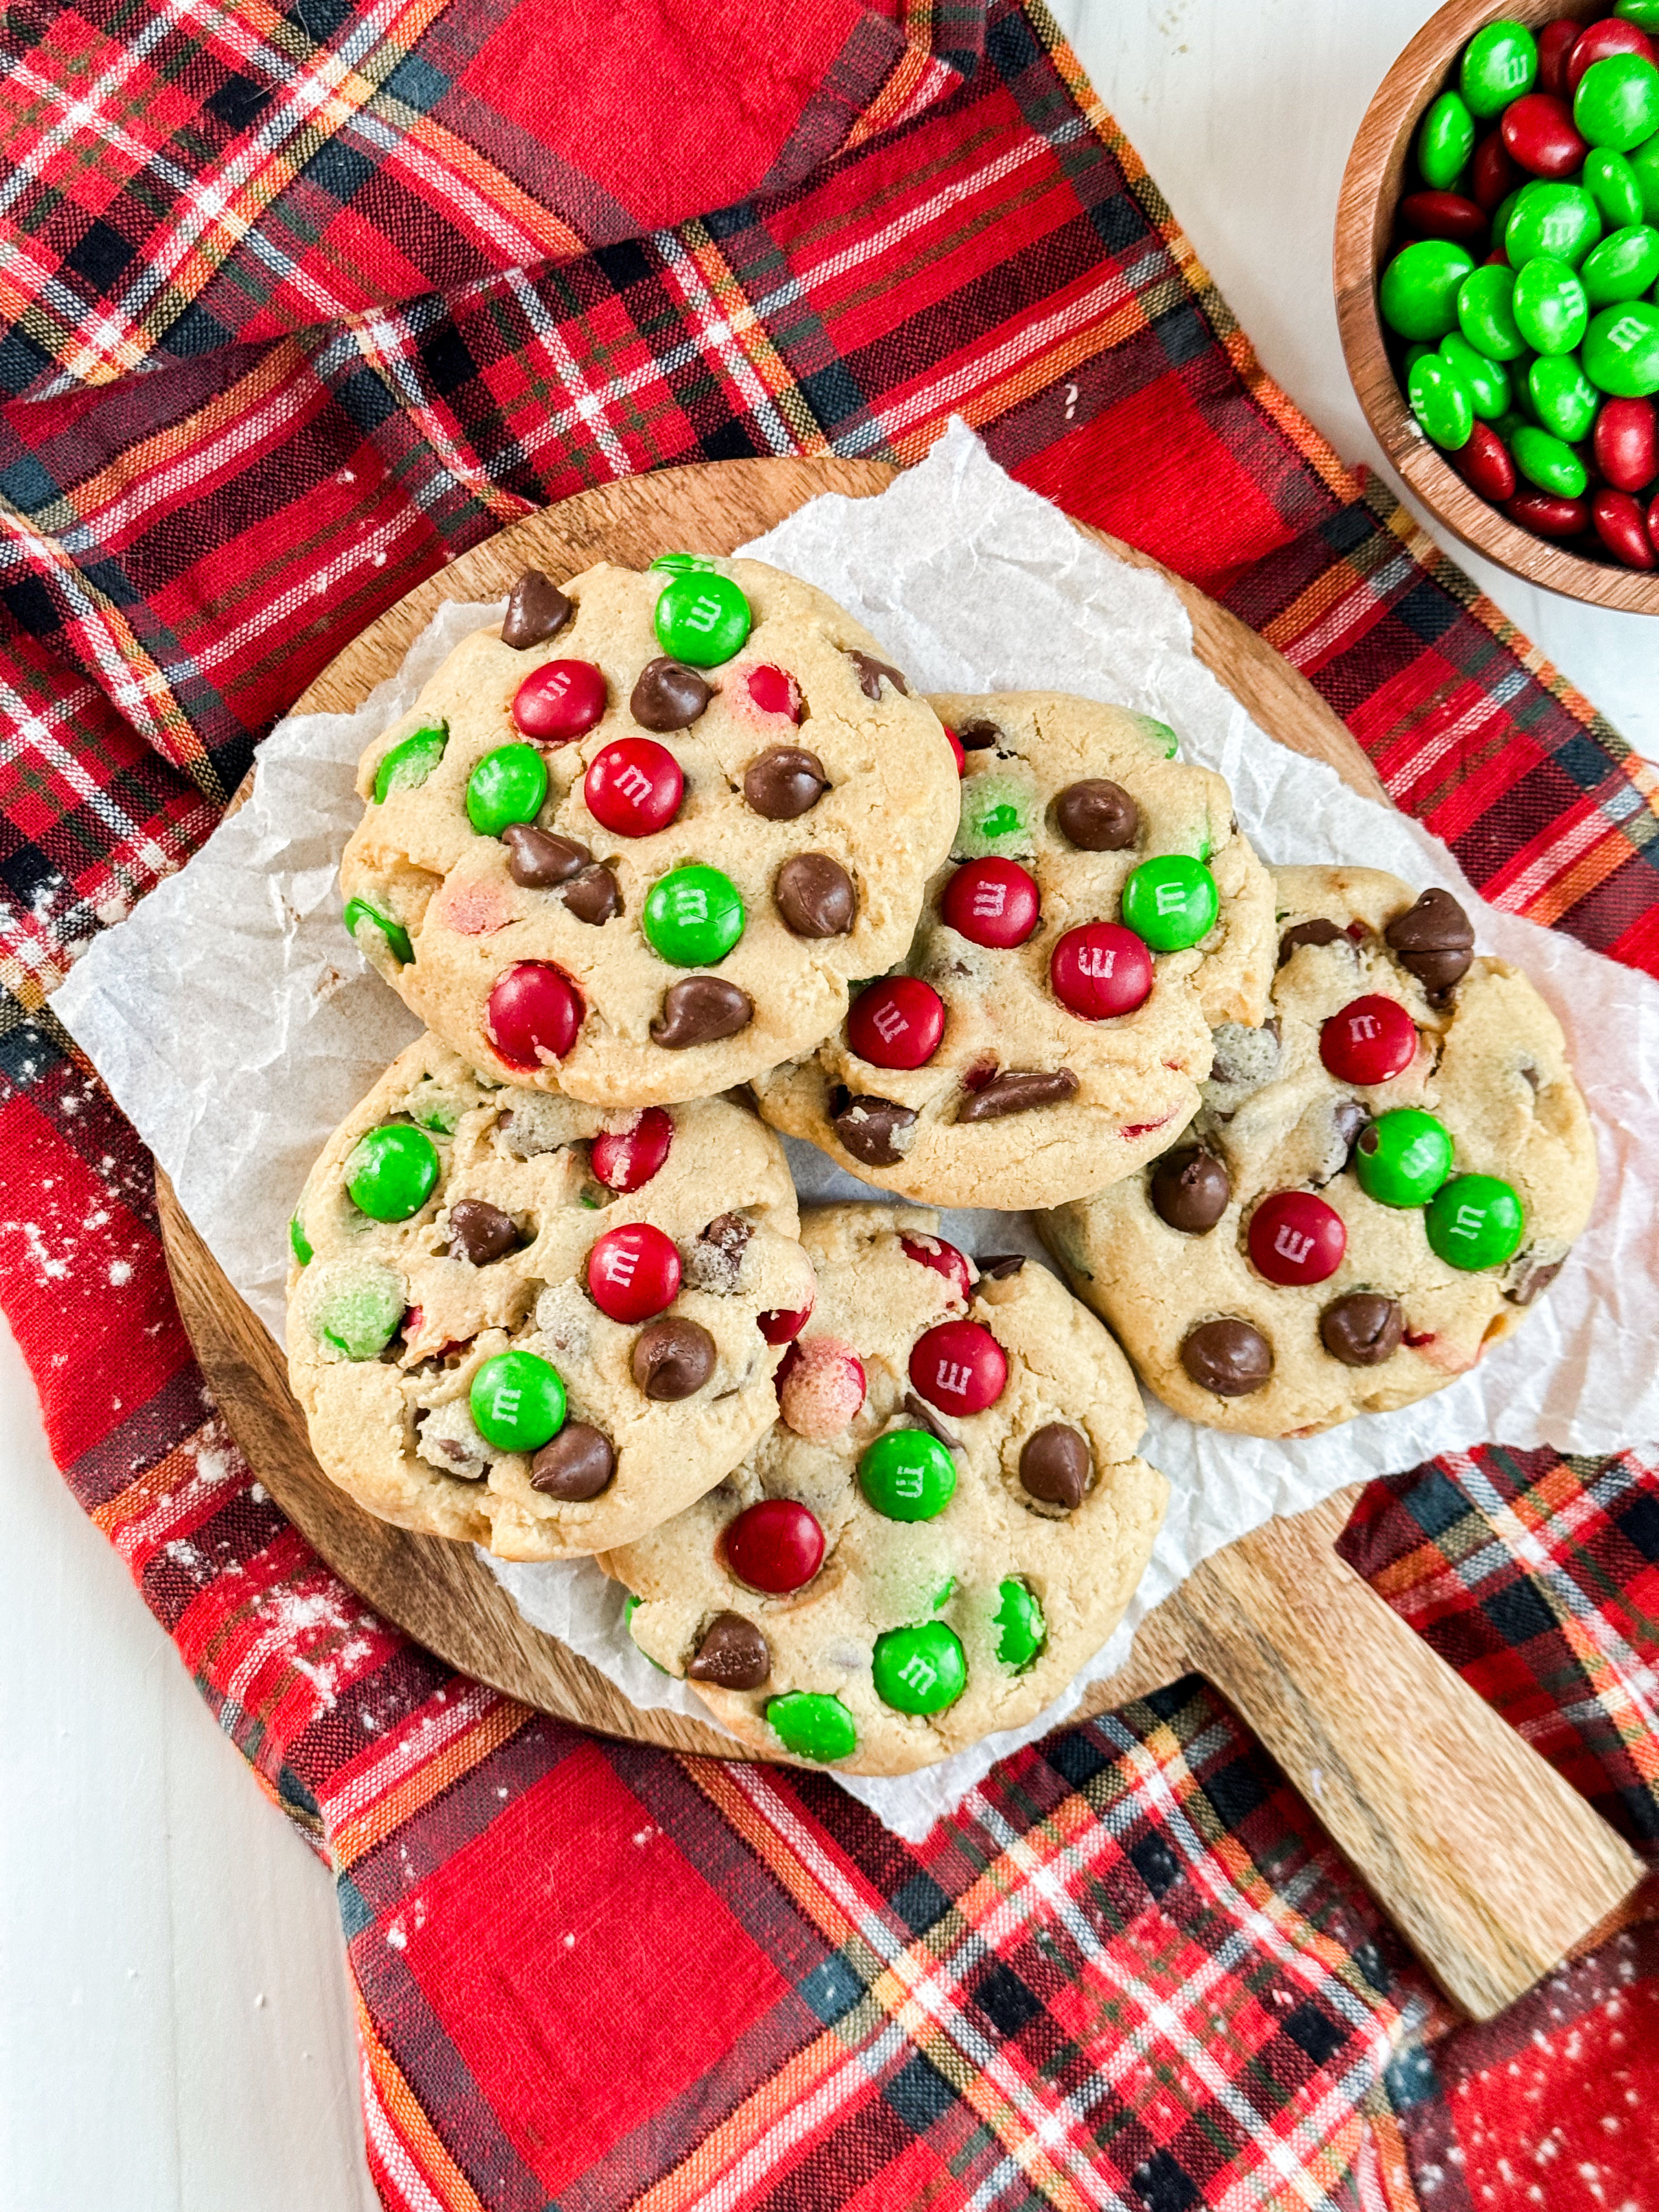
(774, 691)
(776, 1545)
(779, 1326)
(1101, 970)
(945, 1259)
(956, 747)
(1620, 527)
(623, 1159)
(897, 1023)
(1626, 442)
(991, 902)
(1445, 215)
(1371, 1040)
(1612, 35)
(1486, 465)
(1555, 44)
(532, 1015)
(1493, 175)
(633, 786)
(633, 1272)
(959, 1367)
(1296, 1237)
(1547, 514)
(559, 700)
(1540, 133)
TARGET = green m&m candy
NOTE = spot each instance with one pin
(1403, 1157)
(517, 1401)
(1617, 102)
(907, 1475)
(1614, 185)
(359, 1311)
(1548, 462)
(702, 618)
(507, 785)
(371, 931)
(1550, 309)
(693, 916)
(1621, 350)
(813, 1725)
(1419, 296)
(1499, 64)
(1162, 739)
(1486, 313)
(1445, 140)
(1622, 266)
(630, 1607)
(407, 765)
(1488, 381)
(1476, 1221)
(998, 810)
(1644, 14)
(1645, 167)
(1170, 901)
(1559, 220)
(683, 564)
(1563, 396)
(921, 1670)
(299, 1242)
(1021, 1630)
(1441, 401)
(392, 1171)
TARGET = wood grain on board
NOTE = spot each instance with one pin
(1489, 1864)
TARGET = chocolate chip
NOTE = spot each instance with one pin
(1363, 1329)
(870, 1127)
(578, 1463)
(784, 783)
(1434, 938)
(594, 895)
(715, 1259)
(1348, 1118)
(870, 672)
(1055, 1466)
(536, 611)
(537, 859)
(673, 1358)
(480, 1232)
(1097, 814)
(1535, 1278)
(1229, 1357)
(1017, 1090)
(733, 1655)
(701, 1011)
(1317, 932)
(978, 737)
(668, 696)
(1190, 1189)
(814, 895)
(1347, 1121)
(929, 1418)
(999, 1266)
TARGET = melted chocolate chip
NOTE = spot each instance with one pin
(1190, 1189)
(999, 1266)
(578, 1463)
(480, 1232)
(701, 1011)
(1017, 1090)
(869, 1127)
(1055, 1466)
(1229, 1357)
(715, 1259)
(536, 611)
(815, 897)
(1363, 1329)
(1317, 932)
(1434, 940)
(594, 895)
(1097, 814)
(538, 860)
(668, 695)
(929, 1418)
(979, 736)
(870, 672)
(784, 783)
(1348, 1119)
(1534, 1279)
(733, 1655)
(673, 1358)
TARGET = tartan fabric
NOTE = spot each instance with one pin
(1129, 1970)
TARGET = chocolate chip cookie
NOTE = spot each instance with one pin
(946, 1522)
(635, 845)
(1381, 1179)
(522, 1321)
(1048, 1029)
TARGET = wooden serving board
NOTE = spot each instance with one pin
(1491, 1865)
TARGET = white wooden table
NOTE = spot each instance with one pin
(174, 2033)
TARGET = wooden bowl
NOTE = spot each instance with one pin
(1371, 187)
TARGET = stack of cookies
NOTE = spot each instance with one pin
(676, 860)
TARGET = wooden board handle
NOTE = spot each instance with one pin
(1492, 1867)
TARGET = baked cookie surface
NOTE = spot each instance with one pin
(1329, 1237)
(635, 845)
(1100, 914)
(520, 1322)
(947, 1521)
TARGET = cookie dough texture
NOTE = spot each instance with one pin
(396, 1430)
(1490, 1065)
(886, 820)
(879, 1574)
(1137, 1075)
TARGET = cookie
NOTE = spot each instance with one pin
(946, 1522)
(633, 847)
(1380, 1182)
(1050, 1025)
(522, 1321)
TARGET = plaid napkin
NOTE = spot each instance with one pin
(300, 306)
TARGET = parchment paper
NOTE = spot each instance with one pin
(236, 1025)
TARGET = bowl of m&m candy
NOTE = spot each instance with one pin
(1497, 286)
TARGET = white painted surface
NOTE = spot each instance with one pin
(150, 1897)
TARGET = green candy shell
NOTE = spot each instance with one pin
(1475, 1222)
(1614, 185)
(1561, 221)
(507, 785)
(299, 1242)
(517, 1401)
(1621, 350)
(685, 564)
(1403, 1157)
(1617, 102)
(630, 1607)
(1021, 1629)
(1162, 739)
(907, 1474)
(408, 763)
(1645, 167)
(1441, 401)
(1486, 313)
(392, 1171)
(357, 1312)
(919, 1669)
(702, 618)
(693, 916)
(1170, 901)
(1499, 64)
(1551, 311)
(384, 933)
(1622, 266)
(1548, 462)
(1644, 14)
(813, 1725)
(1445, 140)
(1418, 292)
(1565, 398)
(998, 811)
(1488, 381)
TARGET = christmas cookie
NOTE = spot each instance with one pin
(634, 845)
(946, 1522)
(1049, 1027)
(522, 1321)
(1381, 1179)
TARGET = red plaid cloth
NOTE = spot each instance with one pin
(357, 286)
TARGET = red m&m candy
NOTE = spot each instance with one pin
(897, 1023)
(781, 1325)
(633, 1272)
(1296, 1237)
(774, 691)
(532, 1015)
(776, 1545)
(991, 902)
(944, 1259)
(623, 1159)
(1371, 1040)
(959, 1367)
(559, 700)
(960, 757)
(1100, 970)
(1540, 133)
(633, 786)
